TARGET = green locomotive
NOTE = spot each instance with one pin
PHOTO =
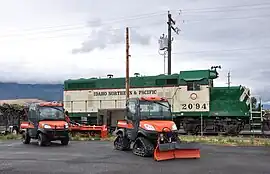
(196, 104)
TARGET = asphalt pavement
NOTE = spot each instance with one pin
(99, 157)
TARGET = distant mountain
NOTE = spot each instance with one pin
(48, 92)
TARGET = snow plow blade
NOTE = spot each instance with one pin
(169, 151)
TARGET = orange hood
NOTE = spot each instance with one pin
(58, 124)
(158, 125)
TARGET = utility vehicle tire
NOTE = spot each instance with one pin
(25, 138)
(65, 141)
(121, 143)
(143, 147)
(14, 132)
(42, 140)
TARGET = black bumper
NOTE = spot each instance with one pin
(153, 135)
(53, 134)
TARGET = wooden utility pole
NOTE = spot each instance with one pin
(170, 23)
(169, 42)
(127, 63)
(229, 79)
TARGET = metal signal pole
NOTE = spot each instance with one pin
(127, 63)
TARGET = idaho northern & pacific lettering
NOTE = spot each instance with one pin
(134, 92)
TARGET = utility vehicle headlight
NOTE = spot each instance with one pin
(149, 127)
(174, 127)
(46, 126)
(161, 137)
(66, 125)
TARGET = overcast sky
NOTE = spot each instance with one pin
(50, 41)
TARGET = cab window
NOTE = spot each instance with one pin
(32, 116)
(51, 113)
(193, 86)
(131, 110)
(131, 107)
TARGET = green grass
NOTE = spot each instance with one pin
(82, 137)
(231, 141)
(10, 137)
(217, 140)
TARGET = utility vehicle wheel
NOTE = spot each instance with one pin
(143, 147)
(121, 143)
(25, 138)
(14, 132)
(65, 141)
(42, 139)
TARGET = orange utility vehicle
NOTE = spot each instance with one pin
(45, 122)
(149, 126)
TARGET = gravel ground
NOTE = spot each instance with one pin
(97, 157)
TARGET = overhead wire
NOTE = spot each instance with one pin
(206, 51)
(186, 12)
(148, 15)
(221, 50)
(141, 16)
(87, 24)
(229, 18)
(225, 10)
(31, 37)
(113, 29)
(225, 7)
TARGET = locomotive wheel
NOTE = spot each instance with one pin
(196, 130)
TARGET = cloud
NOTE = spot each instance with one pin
(234, 37)
(102, 37)
(94, 23)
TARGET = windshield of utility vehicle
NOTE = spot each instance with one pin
(51, 113)
(155, 110)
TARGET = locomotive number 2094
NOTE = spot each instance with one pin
(193, 106)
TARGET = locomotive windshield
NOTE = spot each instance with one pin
(51, 113)
(155, 110)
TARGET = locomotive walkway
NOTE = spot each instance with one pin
(98, 157)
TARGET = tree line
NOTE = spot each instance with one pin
(13, 112)
(10, 114)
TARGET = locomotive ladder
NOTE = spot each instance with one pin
(256, 121)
